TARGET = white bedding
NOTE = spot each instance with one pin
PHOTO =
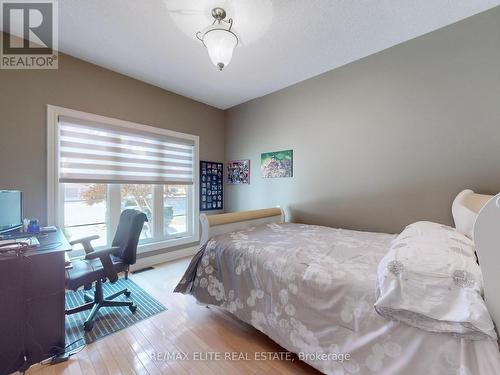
(312, 290)
(430, 279)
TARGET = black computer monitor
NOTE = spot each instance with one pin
(11, 210)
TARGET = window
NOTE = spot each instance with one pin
(85, 211)
(139, 197)
(98, 167)
(175, 207)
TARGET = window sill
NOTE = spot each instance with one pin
(145, 247)
(160, 245)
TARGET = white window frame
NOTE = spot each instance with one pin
(55, 194)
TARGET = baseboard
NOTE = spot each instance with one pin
(164, 257)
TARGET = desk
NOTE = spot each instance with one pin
(32, 302)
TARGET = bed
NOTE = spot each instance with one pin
(312, 290)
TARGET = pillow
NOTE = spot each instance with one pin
(428, 235)
(429, 279)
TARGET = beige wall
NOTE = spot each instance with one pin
(378, 143)
(384, 141)
(24, 95)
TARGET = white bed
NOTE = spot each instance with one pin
(312, 290)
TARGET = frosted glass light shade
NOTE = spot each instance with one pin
(220, 44)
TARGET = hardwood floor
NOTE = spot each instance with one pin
(185, 327)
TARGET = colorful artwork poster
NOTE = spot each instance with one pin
(238, 172)
(277, 164)
(211, 181)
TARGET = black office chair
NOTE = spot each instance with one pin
(97, 266)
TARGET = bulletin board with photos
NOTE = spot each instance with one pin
(211, 188)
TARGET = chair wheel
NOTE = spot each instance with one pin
(87, 326)
(133, 308)
(128, 293)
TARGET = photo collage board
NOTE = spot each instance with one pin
(211, 190)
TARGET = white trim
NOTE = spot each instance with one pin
(195, 224)
(61, 111)
(114, 208)
(158, 191)
(55, 211)
(52, 167)
(165, 257)
(165, 244)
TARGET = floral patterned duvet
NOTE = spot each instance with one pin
(312, 289)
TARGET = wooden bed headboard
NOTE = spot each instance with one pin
(487, 241)
(212, 225)
(473, 201)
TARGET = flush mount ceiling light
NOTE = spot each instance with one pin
(218, 38)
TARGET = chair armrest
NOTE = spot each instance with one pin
(85, 241)
(105, 258)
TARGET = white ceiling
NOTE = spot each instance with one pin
(283, 41)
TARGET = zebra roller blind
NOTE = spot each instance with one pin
(92, 152)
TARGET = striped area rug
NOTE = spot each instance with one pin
(108, 319)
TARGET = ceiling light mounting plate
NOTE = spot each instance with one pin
(218, 13)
